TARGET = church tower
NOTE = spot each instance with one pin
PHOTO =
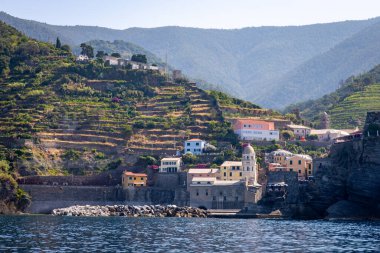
(249, 164)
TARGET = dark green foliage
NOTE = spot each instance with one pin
(189, 158)
(116, 55)
(58, 43)
(114, 164)
(139, 58)
(144, 161)
(100, 54)
(71, 155)
(87, 50)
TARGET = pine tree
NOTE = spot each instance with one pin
(58, 43)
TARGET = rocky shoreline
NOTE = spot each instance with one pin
(132, 211)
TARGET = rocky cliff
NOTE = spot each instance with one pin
(347, 183)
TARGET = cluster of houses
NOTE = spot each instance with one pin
(283, 160)
(118, 61)
(266, 130)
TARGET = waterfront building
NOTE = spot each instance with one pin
(171, 165)
(202, 173)
(233, 186)
(250, 129)
(130, 179)
(300, 132)
(194, 146)
(302, 164)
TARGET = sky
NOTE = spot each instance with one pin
(222, 14)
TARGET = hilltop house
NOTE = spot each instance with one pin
(82, 57)
(130, 179)
(194, 146)
(250, 129)
(171, 165)
(111, 60)
(299, 131)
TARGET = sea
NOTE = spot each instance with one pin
(45, 233)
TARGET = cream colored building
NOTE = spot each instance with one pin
(302, 164)
(328, 134)
(300, 131)
(171, 165)
(279, 156)
(202, 173)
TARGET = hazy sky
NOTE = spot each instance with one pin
(122, 14)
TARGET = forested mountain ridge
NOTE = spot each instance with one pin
(264, 64)
(348, 105)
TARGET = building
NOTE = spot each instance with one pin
(325, 121)
(223, 190)
(276, 167)
(201, 173)
(171, 165)
(302, 164)
(177, 74)
(250, 129)
(82, 57)
(328, 134)
(300, 131)
(278, 156)
(113, 61)
(130, 179)
(194, 146)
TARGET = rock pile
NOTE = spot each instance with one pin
(131, 211)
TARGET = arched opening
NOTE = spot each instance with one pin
(202, 207)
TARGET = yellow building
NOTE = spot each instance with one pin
(302, 164)
(130, 179)
(279, 156)
(246, 169)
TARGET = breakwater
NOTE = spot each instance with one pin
(131, 211)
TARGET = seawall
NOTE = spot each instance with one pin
(45, 198)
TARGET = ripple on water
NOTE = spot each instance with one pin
(121, 234)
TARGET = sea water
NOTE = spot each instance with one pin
(43, 233)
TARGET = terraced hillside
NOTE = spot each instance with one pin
(348, 105)
(176, 113)
(58, 116)
(351, 108)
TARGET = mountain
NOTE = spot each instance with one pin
(59, 116)
(348, 105)
(267, 65)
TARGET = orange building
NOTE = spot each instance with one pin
(130, 179)
(251, 129)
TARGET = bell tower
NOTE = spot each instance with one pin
(249, 164)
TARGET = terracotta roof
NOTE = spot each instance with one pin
(232, 163)
(128, 173)
(195, 139)
(298, 126)
(171, 158)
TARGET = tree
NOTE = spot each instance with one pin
(189, 158)
(139, 58)
(287, 135)
(58, 43)
(117, 55)
(66, 48)
(87, 50)
(100, 54)
(4, 166)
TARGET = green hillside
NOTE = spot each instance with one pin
(270, 66)
(58, 116)
(348, 105)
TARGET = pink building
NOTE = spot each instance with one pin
(251, 129)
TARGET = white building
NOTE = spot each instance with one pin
(328, 134)
(300, 131)
(251, 129)
(82, 57)
(113, 61)
(171, 164)
(194, 146)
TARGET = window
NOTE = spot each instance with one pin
(225, 174)
(142, 178)
(290, 169)
(236, 198)
(188, 144)
(197, 144)
(130, 178)
(291, 162)
(299, 171)
(188, 150)
(214, 198)
(230, 174)
(224, 198)
(198, 182)
(197, 193)
(241, 174)
(206, 193)
(299, 162)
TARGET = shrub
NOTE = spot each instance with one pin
(189, 158)
(71, 154)
(4, 166)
